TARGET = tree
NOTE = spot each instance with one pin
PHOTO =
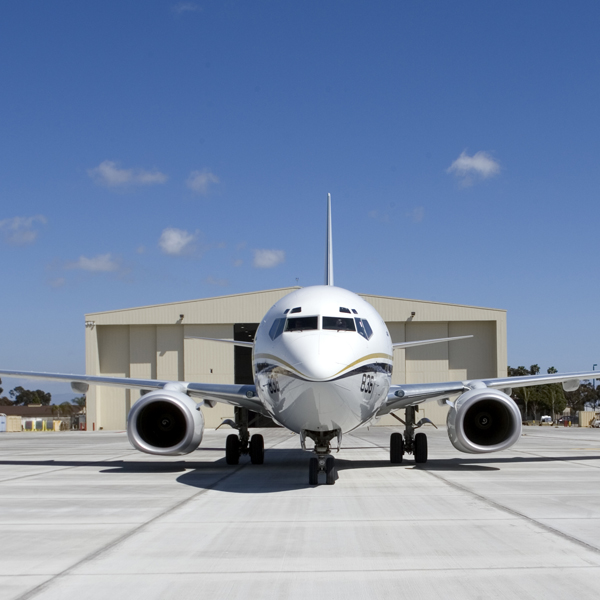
(586, 394)
(4, 401)
(524, 395)
(548, 397)
(80, 401)
(65, 409)
(22, 396)
(554, 395)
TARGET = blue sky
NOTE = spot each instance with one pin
(161, 151)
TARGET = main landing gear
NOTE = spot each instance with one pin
(242, 443)
(412, 443)
(323, 462)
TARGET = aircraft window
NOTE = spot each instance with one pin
(296, 310)
(301, 323)
(277, 328)
(286, 311)
(345, 310)
(363, 328)
(338, 323)
(354, 312)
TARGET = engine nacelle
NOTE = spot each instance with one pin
(483, 420)
(165, 422)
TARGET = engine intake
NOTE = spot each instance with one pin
(484, 420)
(165, 422)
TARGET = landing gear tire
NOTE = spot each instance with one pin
(232, 449)
(257, 449)
(420, 448)
(313, 471)
(330, 472)
(396, 448)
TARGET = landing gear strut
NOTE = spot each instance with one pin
(323, 462)
(242, 443)
(413, 443)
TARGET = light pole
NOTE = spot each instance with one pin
(593, 369)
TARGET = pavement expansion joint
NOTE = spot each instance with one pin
(518, 514)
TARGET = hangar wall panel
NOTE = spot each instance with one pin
(210, 362)
(113, 343)
(398, 335)
(426, 364)
(92, 367)
(142, 354)
(169, 352)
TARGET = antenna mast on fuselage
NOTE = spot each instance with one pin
(329, 249)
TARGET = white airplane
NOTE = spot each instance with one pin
(322, 362)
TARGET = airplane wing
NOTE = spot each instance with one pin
(399, 345)
(401, 396)
(237, 395)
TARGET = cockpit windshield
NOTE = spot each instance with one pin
(363, 327)
(339, 323)
(277, 328)
(301, 323)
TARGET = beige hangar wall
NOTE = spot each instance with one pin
(149, 342)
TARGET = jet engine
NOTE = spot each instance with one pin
(165, 422)
(483, 420)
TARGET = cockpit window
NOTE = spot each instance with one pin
(286, 311)
(301, 323)
(345, 310)
(296, 310)
(339, 323)
(363, 328)
(354, 311)
(277, 328)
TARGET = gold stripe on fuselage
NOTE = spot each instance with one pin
(346, 368)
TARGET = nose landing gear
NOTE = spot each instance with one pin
(323, 462)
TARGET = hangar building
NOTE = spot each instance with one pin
(150, 342)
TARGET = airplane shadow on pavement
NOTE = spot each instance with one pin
(283, 470)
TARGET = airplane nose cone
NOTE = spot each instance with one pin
(317, 356)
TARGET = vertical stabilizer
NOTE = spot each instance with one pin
(329, 251)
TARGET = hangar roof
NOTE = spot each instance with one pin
(251, 307)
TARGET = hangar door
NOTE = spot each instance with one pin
(242, 364)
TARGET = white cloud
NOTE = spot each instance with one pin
(175, 242)
(109, 174)
(182, 7)
(220, 282)
(57, 282)
(198, 181)
(379, 216)
(480, 165)
(103, 263)
(20, 230)
(267, 259)
(417, 214)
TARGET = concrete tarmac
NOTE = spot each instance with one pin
(83, 515)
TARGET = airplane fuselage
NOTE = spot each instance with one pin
(322, 360)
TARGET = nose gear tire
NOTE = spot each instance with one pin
(330, 472)
(313, 471)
